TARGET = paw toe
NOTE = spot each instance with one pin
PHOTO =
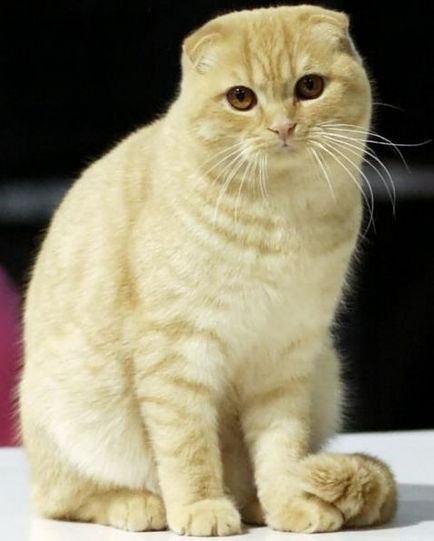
(306, 513)
(206, 518)
(137, 513)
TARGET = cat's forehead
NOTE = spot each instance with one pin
(277, 57)
(272, 72)
(279, 44)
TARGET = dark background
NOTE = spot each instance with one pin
(76, 76)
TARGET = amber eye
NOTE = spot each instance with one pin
(241, 98)
(309, 87)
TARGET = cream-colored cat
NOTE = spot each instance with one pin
(179, 367)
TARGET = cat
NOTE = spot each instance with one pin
(180, 370)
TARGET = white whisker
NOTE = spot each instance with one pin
(364, 177)
(370, 205)
(358, 150)
(388, 105)
(227, 168)
(262, 185)
(229, 153)
(264, 175)
(315, 154)
(226, 184)
(246, 173)
(352, 128)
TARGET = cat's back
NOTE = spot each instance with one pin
(110, 190)
(75, 389)
(84, 256)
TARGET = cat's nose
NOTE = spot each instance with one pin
(283, 128)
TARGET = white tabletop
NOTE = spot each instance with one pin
(411, 455)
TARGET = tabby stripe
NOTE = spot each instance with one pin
(265, 398)
(165, 362)
(242, 217)
(231, 237)
(159, 405)
(309, 337)
(183, 329)
(188, 385)
(186, 442)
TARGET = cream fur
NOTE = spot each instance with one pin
(178, 357)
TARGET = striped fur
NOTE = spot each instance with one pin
(178, 361)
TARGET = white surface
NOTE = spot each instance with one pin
(411, 455)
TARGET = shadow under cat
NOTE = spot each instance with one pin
(414, 520)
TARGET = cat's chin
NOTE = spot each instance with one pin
(283, 159)
(285, 148)
(288, 153)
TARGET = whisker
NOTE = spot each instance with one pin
(388, 105)
(363, 131)
(266, 170)
(265, 176)
(261, 186)
(226, 184)
(261, 176)
(369, 205)
(360, 150)
(352, 128)
(258, 176)
(325, 173)
(411, 145)
(244, 177)
(227, 168)
(229, 153)
(364, 177)
(223, 151)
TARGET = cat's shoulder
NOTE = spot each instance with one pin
(131, 153)
(118, 181)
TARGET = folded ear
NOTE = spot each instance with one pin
(341, 19)
(345, 41)
(338, 19)
(199, 48)
(336, 25)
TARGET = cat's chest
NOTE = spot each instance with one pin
(254, 283)
(280, 295)
(270, 269)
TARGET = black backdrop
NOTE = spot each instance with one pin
(78, 75)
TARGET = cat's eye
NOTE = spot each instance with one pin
(241, 98)
(309, 87)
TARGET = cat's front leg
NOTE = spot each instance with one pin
(276, 423)
(177, 392)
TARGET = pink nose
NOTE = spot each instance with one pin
(283, 128)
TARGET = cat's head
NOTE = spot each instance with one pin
(268, 80)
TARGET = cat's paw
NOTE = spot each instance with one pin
(135, 512)
(305, 513)
(360, 486)
(205, 517)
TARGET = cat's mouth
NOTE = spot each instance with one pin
(284, 147)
